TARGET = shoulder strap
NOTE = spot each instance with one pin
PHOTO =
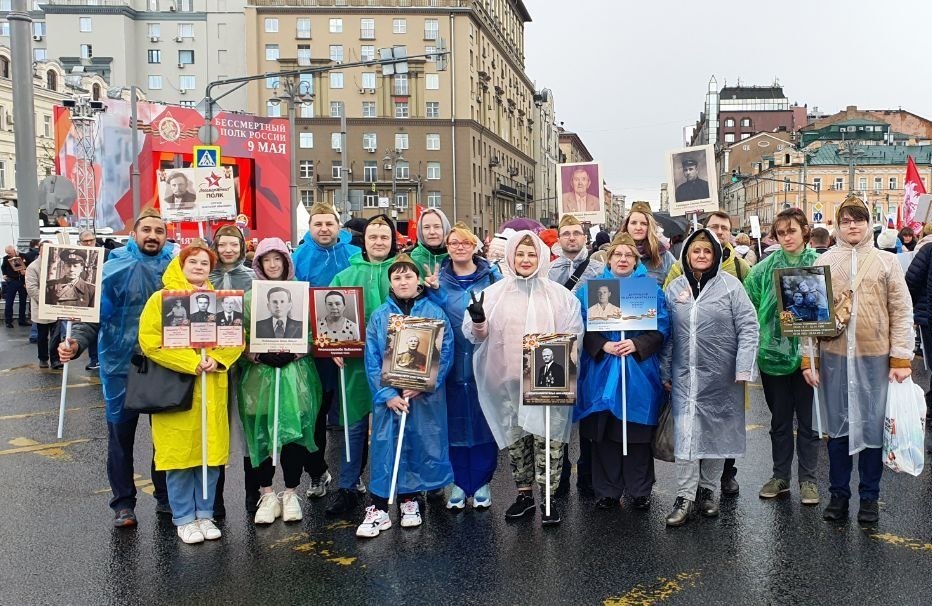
(871, 257)
(738, 270)
(571, 282)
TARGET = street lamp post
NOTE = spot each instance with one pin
(294, 93)
(391, 157)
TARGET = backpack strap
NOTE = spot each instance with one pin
(574, 279)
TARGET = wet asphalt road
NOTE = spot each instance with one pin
(58, 546)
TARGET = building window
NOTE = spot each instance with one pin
(368, 109)
(729, 137)
(401, 200)
(335, 167)
(271, 82)
(271, 25)
(47, 125)
(307, 110)
(430, 52)
(84, 24)
(185, 30)
(155, 56)
(155, 83)
(306, 169)
(786, 184)
(335, 140)
(304, 29)
(87, 51)
(729, 122)
(40, 54)
(399, 26)
(368, 80)
(51, 80)
(307, 197)
(433, 109)
(401, 109)
(306, 140)
(187, 82)
(433, 171)
(367, 29)
(433, 199)
(878, 183)
(4, 67)
(817, 183)
(401, 140)
(336, 53)
(271, 52)
(336, 109)
(187, 103)
(369, 141)
(370, 201)
(862, 183)
(336, 79)
(370, 171)
(154, 30)
(746, 122)
(367, 52)
(400, 84)
(432, 81)
(186, 57)
(431, 29)
(304, 54)
(433, 141)
(839, 184)
(185, 6)
(745, 136)
(402, 169)
(336, 26)
(273, 110)
(4, 28)
(2, 174)
(893, 183)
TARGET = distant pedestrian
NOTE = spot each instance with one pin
(45, 353)
(820, 239)
(14, 285)
(908, 238)
(743, 249)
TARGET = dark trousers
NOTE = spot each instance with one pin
(840, 463)
(615, 475)
(729, 471)
(10, 290)
(926, 332)
(583, 467)
(120, 440)
(315, 463)
(788, 396)
(48, 347)
(291, 460)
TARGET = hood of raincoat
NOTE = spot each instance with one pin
(444, 222)
(173, 278)
(272, 245)
(394, 245)
(229, 230)
(698, 283)
(742, 249)
(318, 264)
(238, 277)
(543, 256)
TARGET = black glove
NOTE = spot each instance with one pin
(475, 308)
(276, 360)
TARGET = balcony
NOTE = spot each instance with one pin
(334, 3)
(367, 33)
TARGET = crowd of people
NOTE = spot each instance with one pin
(717, 328)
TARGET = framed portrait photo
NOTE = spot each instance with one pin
(202, 306)
(550, 368)
(580, 192)
(229, 316)
(412, 353)
(69, 282)
(278, 317)
(338, 322)
(629, 304)
(804, 299)
(176, 318)
(694, 181)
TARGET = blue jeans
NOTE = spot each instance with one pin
(840, 463)
(186, 496)
(121, 438)
(350, 472)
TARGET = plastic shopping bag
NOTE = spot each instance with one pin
(663, 437)
(904, 428)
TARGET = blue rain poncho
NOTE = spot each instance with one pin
(130, 278)
(425, 460)
(713, 345)
(318, 265)
(515, 306)
(600, 376)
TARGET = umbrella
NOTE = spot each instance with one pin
(672, 226)
(524, 223)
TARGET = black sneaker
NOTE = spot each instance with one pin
(521, 507)
(344, 501)
(641, 502)
(554, 518)
(606, 503)
(95, 365)
(869, 512)
(730, 487)
(836, 510)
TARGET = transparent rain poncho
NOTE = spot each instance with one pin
(514, 307)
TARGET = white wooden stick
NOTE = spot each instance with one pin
(345, 420)
(64, 386)
(547, 460)
(401, 437)
(624, 402)
(278, 385)
(204, 426)
(815, 390)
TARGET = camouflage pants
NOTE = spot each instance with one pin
(527, 462)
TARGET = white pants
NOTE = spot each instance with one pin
(693, 474)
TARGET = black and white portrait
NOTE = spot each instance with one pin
(691, 171)
(413, 351)
(336, 314)
(229, 309)
(804, 295)
(603, 303)
(69, 282)
(202, 307)
(279, 316)
(550, 362)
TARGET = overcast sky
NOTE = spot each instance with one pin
(629, 76)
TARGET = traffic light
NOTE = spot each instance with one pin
(736, 176)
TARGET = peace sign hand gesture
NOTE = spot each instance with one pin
(475, 308)
(432, 279)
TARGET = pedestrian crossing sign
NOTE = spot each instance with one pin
(206, 156)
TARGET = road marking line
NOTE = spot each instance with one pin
(58, 387)
(53, 450)
(651, 594)
(26, 415)
(892, 539)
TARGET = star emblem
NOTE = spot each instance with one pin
(213, 180)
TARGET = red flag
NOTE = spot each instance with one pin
(412, 225)
(912, 189)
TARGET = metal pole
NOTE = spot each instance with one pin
(24, 116)
(294, 165)
(344, 180)
(134, 173)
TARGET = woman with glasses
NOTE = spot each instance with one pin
(473, 451)
(605, 356)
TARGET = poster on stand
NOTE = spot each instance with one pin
(692, 173)
(412, 353)
(229, 318)
(614, 304)
(278, 317)
(550, 367)
(338, 322)
(804, 296)
(176, 322)
(203, 318)
(69, 283)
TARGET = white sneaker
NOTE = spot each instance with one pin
(410, 514)
(269, 508)
(482, 498)
(191, 533)
(319, 486)
(209, 529)
(291, 507)
(375, 522)
(457, 498)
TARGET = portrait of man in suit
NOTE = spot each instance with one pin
(178, 196)
(549, 372)
(578, 198)
(410, 358)
(280, 325)
(202, 313)
(603, 308)
(228, 316)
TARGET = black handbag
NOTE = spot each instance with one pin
(663, 437)
(151, 388)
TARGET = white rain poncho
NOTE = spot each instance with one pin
(854, 368)
(713, 344)
(515, 306)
